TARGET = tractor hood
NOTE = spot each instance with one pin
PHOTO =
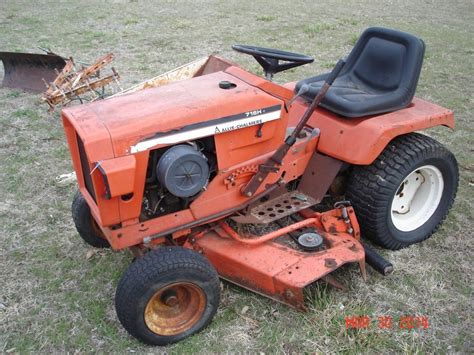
(172, 113)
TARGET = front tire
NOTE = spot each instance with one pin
(167, 295)
(406, 193)
(85, 224)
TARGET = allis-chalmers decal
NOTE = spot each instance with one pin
(212, 127)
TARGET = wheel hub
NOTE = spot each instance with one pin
(170, 299)
(406, 192)
(175, 308)
(417, 198)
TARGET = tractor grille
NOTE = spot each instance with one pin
(86, 170)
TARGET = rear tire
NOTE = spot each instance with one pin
(167, 295)
(85, 224)
(406, 193)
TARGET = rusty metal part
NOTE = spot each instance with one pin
(241, 173)
(274, 194)
(319, 175)
(175, 308)
(29, 71)
(334, 282)
(70, 83)
(62, 77)
(345, 214)
(363, 270)
(58, 97)
(277, 208)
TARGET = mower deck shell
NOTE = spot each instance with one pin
(279, 271)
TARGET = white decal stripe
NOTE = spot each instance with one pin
(173, 138)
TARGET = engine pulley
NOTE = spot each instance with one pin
(183, 171)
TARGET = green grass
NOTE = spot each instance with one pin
(314, 29)
(54, 299)
(266, 18)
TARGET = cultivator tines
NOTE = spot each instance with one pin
(84, 84)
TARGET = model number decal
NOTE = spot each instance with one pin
(254, 113)
(205, 129)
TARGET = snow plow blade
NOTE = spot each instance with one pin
(29, 71)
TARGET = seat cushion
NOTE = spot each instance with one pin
(380, 75)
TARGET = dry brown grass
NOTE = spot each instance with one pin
(53, 299)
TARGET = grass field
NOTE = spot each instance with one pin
(55, 299)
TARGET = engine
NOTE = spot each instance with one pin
(177, 175)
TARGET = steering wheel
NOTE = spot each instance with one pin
(269, 58)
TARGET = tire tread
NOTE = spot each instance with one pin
(371, 186)
(81, 217)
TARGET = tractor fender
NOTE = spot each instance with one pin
(359, 141)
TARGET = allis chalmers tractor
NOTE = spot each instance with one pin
(187, 175)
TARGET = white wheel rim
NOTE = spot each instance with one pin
(417, 198)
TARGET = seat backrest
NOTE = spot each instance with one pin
(386, 59)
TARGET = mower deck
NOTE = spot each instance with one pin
(271, 267)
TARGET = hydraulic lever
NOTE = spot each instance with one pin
(275, 161)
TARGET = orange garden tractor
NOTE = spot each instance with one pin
(216, 172)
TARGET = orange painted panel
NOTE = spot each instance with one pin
(361, 140)
(273, 269)
(119, 174)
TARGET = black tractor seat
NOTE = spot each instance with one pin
(380, 75)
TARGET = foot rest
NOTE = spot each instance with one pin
(277, 208)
